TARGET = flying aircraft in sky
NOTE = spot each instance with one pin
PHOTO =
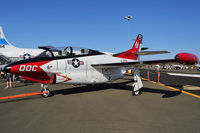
(86, 66)
(10, 53)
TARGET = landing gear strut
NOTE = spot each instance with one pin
(138, 83)
(45, 91)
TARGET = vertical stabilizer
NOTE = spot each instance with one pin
(3, 40)
(130, 53)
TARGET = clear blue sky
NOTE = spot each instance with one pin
(172, 25)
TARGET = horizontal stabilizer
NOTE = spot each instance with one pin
(151, 52)
(144, 48)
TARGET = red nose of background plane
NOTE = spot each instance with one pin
(187, 58)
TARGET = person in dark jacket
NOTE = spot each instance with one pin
(8, 80)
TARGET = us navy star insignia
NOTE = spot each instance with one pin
(75, 62)
(27, 56)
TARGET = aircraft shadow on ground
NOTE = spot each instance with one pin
(100, 87)
(177, 86)
(91, 88)
(167, 93)
(119, 86)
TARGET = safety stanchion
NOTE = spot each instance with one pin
(158, 77)
(148, 75)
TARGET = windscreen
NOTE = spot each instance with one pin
(68, 52)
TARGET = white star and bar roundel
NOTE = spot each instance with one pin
(75, 62)
(26, 56)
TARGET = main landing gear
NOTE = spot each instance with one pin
(45, 90)
(138, 83)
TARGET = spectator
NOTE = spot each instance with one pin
(2, 74)
(8, 80)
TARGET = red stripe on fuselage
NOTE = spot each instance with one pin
(31, 70)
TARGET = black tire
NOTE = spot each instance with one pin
(45, 94)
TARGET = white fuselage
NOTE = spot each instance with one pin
(85, 73)
(16, 54)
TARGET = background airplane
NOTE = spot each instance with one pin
(10, 53)
(86, 66)
(185, 75)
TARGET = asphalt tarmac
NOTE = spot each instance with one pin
(105, 108)
(174, 81)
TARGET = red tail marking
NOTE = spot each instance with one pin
(130, 53)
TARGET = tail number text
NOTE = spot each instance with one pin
(28, 68)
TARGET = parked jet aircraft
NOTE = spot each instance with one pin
(86, 66)
(10, 53)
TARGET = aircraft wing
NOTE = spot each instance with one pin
(183, 58)
(151, 52)
(133, 64)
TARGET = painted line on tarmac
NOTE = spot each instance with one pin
(188, 93)
(21, 95)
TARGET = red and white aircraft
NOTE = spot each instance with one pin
(85, 66)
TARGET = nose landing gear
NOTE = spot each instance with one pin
(45, 91)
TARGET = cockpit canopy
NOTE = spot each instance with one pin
(68, 51)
